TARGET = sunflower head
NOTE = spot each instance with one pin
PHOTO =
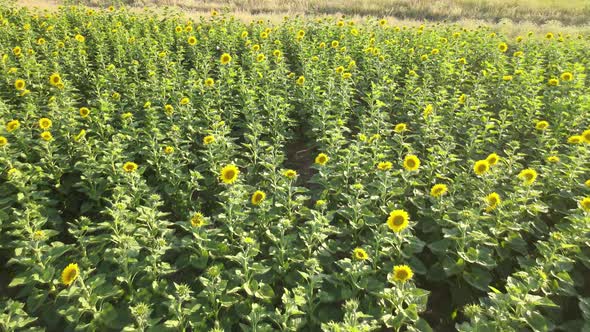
(301, 80)
(575, 139)
(192, 40)
(225, 59)
(553, 159)
(19, 84)
(586, 136)
(46, 136)
(3, 141)
(168, 149)
(567, 76)
(493, 159)
(84, 112)
(398, 220)
(322, 159)
(553, 82)
(130, 167)
(503, 47)
(257, 197)
(208, 139)
(542, 125)
(400, 128)
(481, 167)
(209, 82)
(12, 125)
(402, 273)
(44, 123)
(70, 273)
(55, 79)
(289, 173)
(229, 174)
(492, 201)
(260, 57)
(360, 254)
(184, 101)
(585, 204)
(528, 176)
(384, 166)
(438, 190)
(411, 163)
(197, 220)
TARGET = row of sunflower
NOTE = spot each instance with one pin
(162, 173)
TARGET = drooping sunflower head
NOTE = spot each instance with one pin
(44, 123)
(301, 80)
(411, 163)
(384, 166)
(19, 84)
(84, 112)
(229, 174)
(528, 176)
(493, 159)
(481, 167)
(130, 167)
(585, 204)
(12, 125)
(360, 254)
(197, 220)
(257, 197)
(46, 136)
(291, 174)
(402, 273)
(400, 128)
(542, 125)
(55, 79)
(70, 273)
(225, 58)
(438, 190)
(398, 220)
(322, 159)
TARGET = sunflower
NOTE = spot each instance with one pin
(208, 139)
(197, 220)
(46, 136)
(19, 85)
(169, 109)
(12, 125)
(411, 163)
(17, 51)
(384, 165)
(438, 190)
(528, 176)
(225, 59)
(549, 35)
(168, 149)
(229, 174)
(575, 139)
(492, 201)
(45, 123)
(567, 76)
(587, 183)
(585, 203)
(84, 112)
(335, 43)
(553, 159)
(291, 174)
(503, 47)
(276, 53)
(398, 220)
(481, 167)
(130, 167)
(70, 273)
(346, 76)
(360, 254)
(80, 135)
(586, 136)
(553, 82)
(300, 34)
(507, 78)
(184, 101)
(402, 273)
(257, 197)
(301, 80)
(192, 41)
(209, 82)
(493, 159)
(322, 159)
(260, 57)
(55, 79)
(80, 38)
(542, 125)
(3, 141)
(400, 128)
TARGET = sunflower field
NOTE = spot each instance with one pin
(166, 173)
